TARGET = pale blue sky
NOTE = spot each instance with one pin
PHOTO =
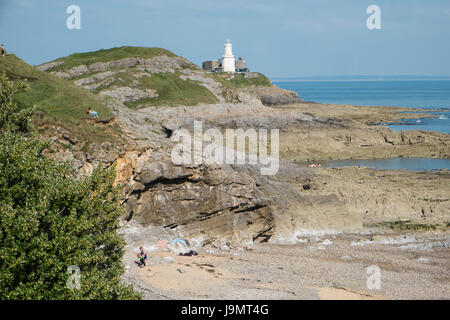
(283, 38)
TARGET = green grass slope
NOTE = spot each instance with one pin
(58, 101)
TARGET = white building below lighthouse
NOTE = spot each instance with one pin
(228, 61)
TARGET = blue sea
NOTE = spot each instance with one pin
(422, 94)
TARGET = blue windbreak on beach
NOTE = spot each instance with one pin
(424, 94)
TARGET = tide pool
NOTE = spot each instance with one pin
(412, 164)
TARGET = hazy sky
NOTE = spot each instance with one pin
(282, 38)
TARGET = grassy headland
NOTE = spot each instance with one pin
(105, 55)
(171, 89)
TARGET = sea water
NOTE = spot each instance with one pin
(421, 94)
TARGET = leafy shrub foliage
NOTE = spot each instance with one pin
(49, 220)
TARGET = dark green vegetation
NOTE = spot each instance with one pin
(407, 225)
(239, 81)
(57, 100)
(50, 221)
(112, 54)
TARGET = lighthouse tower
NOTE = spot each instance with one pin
(228, 61)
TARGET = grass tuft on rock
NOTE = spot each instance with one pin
(407, 225)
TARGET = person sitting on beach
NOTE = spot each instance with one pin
(92, 113)
(3, 50)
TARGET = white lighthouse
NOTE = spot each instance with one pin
(228, 61)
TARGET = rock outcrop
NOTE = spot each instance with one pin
(127, 94)
(272, 96)
(210, 203)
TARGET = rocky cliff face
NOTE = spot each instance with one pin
(202, 202)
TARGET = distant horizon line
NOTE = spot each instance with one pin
(361, 78)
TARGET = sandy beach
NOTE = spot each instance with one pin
(325, 267)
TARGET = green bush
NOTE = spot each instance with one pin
(49, 220)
